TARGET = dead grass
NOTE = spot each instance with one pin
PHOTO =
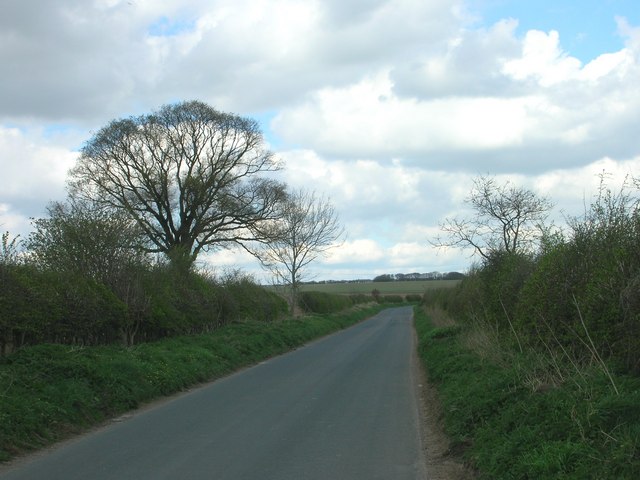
(439, 317)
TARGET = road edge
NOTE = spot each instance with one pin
(440, 463)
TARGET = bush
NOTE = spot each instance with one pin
(360, 298)
(392, 299)
(413, 298)
(583, 293)
(322, 302)
(44, 306)
(247, 300)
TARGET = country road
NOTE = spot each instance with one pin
(342, 408)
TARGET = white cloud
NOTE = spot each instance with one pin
(389, 107)
(12, 222)
(542, 59)
(30, 165)
(33, 174)
(367, 119)
(241, 55)
(537, 109)
(467, 65)
(357, 251)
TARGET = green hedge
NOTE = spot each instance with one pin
(391, 299)
(322, 302)
(413, 298)
(40, 306)
(510, 427)
(578, 295)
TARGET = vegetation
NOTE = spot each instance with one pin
(417, 287)
(321, 302)
(510, 418)
(577, 296)
(51, 306)
(51, 391)
(417, 277)
(115, 261)
(541, 372)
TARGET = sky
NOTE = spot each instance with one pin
(388, 107)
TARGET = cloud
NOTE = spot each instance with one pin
(368, 120)
(240, 55)
(33, 173)
(389, 107)
(12, 222)
(537, 109)
(359, 251)
(543, 60)
(467, 65)
(363, 191)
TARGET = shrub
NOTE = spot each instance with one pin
(413, 298)
(360, 298)
(392, 299)
(577, 429)
(582, 294)
(322, 302)
(45, 306)
(246, 300)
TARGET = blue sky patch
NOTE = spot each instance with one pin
(167, 27)
(587, 27)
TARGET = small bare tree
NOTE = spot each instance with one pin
(307, 227)
(506, 218)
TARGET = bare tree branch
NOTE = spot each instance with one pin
(505, 218)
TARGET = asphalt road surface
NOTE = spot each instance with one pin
(342, 408)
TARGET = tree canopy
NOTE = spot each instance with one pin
(188, 175)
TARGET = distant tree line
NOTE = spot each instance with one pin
(408, 277)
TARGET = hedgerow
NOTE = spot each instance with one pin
(542, 375)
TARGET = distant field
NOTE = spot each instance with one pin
(418, 286)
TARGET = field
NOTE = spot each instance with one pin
(385, 288)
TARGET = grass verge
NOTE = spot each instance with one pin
(49, 392)
(508, 426)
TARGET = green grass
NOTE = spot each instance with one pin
(507, 430)
(407, 287)
(48, 392)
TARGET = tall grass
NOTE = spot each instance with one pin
(513, 415)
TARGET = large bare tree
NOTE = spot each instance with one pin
(188, 174)
(307, 227)
(505, 218)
